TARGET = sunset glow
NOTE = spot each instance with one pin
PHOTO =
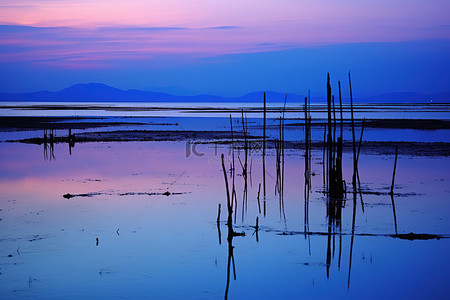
(139, 36)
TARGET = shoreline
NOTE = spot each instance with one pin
(21, 124)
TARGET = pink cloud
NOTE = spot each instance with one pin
(96, 32)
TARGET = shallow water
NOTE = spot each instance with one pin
(293, 130)
(165, 247)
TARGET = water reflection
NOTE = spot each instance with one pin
(49, 140)
(331, 236)
(71, 141)
(335, 203)
(393, 211)
(49, 145)
(231, 232)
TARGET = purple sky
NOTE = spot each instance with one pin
(226, 47)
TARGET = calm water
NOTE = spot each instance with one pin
(152, 246)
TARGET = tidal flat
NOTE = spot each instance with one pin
(117, 205)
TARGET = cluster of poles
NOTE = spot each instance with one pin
(335, 186)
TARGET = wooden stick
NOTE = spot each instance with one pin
(340, 105)
(282, 148)
(218, 215)
(393, 174)
(264, 208)
(323, 156)
(306, 139)
(257, 229)
(353, 133)
(229, 204)
(259, 204)
(264, 148)
(352, 238)
(395, 216)
(329, 135)
(334, 134)
(233, 172)
(360, 141)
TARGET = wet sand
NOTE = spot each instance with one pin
(11, 124)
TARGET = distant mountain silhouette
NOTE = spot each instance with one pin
(97, 92)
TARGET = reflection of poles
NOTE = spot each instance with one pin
(393, 210)
(231, 232)
(334, 216)
(333, 176)
(328, 262)
(307, 173)
(352, 238)
(231, 235)
(256, 229)
(218, 226)
(279, 168)
(391, 193)
(45, 145)
(306, 225)
(71, 141)
(230, 228)
(230, 259)
(52, 145)
(279, 147)
(340, 247)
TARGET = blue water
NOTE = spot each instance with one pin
(152, 246)
(167, 247)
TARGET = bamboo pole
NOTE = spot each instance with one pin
(334, 133)
(259, 203)
(306, 139)
(325, 176)
(229, 204)
(360, 141)
(393, 173)
(264, 208)
(264, 149)
(353, 133)
(352, 239)
(218, 215)
(282, 148)
(329, 134)
(340, 106)
(393, 210)
(233, 172)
